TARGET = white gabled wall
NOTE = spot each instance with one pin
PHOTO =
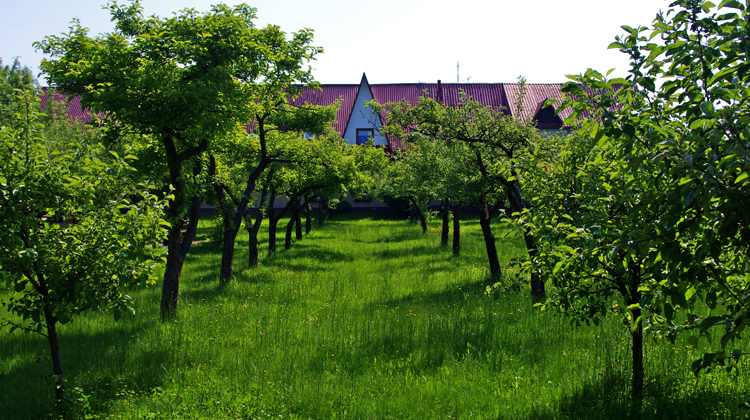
(363, 117)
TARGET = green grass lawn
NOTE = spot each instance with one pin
(365, 318)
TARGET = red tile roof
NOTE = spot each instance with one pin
(533, 100)
(73, 108)
(490, 94)
(330, 94)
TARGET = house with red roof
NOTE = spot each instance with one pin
(357, 123)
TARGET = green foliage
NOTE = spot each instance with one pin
(676, 138)
(416, 174)
(471, 155)
(342, 207)
(187, 81)
(192, 76)
(326, 166)
(66, 248)
(13, 77)
(470, 147)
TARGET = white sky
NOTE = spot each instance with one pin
(394, 41)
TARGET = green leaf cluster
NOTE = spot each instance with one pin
(74, 237)
(655, 185)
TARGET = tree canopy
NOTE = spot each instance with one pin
(67, 247)
(186, 80)
(649, 205)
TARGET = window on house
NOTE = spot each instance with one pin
(364, 135)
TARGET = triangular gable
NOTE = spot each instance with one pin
(361, 117)
(533, 100)
(546, 118)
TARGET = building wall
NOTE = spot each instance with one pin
(362, 117)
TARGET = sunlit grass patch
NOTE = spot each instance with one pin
(364, 318)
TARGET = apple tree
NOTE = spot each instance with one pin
(72, 237)
(185, 81)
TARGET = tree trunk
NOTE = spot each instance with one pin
(636, 333)
(252, 244)
(294, 202)
(298, 221)
(227, 254)
(457, 230)
(273, 219)
(233, 212)
(489, 241)
(420, 213)
(54, 347)
(322, 210)
(446, 222)
(177, 249)
(228, 211)
(308, 218)
(178, 244)
(538, 293)
(289, 230)
(253, 228)
(637, 336)
(272, 222)
(252, 232)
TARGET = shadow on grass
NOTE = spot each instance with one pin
(306, 250)
(233, 291)
(609, 398)
(86, 364)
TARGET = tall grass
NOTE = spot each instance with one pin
(365, 318)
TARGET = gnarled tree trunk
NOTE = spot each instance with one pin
(254, 228)
(288, 236)
(54, 347)
(322, 210)
(517, 203)
(457, 230)
(308, 218)
(273, 221)
(446, 222)
(489, 240)
(178, 243)
(297, 221)
(636, 332)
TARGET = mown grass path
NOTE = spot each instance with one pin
(363, 319)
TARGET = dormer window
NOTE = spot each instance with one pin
(364, 135)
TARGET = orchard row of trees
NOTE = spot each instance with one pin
(88, 207)
(190, 84)
(469, 155)
(643, 210)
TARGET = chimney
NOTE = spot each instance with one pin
(440, 92)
